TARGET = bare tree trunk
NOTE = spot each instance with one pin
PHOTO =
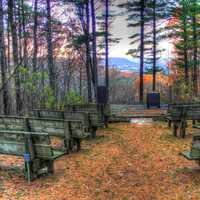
(185, 47)
(88, 57)
(154, 45)
(80, 83)
(141, 51)
(94, 47)
(52, 77)
(25, 61)
(15, 55)
(17, 12)
(195, 50)
(8, 39)
(35, 48)
(107, 48)
(35, 44)
(6, 109)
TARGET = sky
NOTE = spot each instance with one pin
(119, 29)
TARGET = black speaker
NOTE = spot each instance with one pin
(101, 95)
(153, 99)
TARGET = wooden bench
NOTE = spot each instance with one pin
(69, 131)
(194, 153)
(179, 114)
(55, 114)
(34, 147)
(98, 114)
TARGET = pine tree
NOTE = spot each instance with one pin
(186, 31)
(136, 18)
(156, 13)
(194, 13)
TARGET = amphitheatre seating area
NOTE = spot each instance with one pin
(91, 115)
(36, 149)
(41, 136)
(98, 115)
(194, 154)
(179, 114)
(32, 136)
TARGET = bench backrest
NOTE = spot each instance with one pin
(54, 127)
(82, 108)
(58, 127)
(37, 145)
(12, 123)
(97, 113)
(195, 149)
(54, 114)
(51, 126)
(187, 111)
(46, 114)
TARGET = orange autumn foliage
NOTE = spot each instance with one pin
(127, 74)
(148, 79)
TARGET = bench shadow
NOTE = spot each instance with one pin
(171, 138)
(188, 175)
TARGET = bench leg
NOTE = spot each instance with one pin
(71, 144)
(193, 122)
(32, 169)
(75, 144)
(35, 168)
(169, 123)
(183, 125)
(78, 143)
(67, 145)
(106, 124)
(50, 167)
(106, 121)
(93, 132)
(28, 171)
(175, 128)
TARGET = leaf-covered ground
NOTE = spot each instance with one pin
(125, 162)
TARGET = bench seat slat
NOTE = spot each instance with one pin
(56, 154)
(188, 156)
(23, 132)
(196, 126)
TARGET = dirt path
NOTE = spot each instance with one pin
(125, 162)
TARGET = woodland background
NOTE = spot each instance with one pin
(55, 52)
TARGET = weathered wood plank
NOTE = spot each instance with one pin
(178, 114)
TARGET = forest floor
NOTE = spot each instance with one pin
(124, 162)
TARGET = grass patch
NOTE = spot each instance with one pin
(169, 138)
(78, 163)
(86, 151)
(179, 171)
(98, 182)
(184, 170)
(101, 139)
(20, 194)
(1, 187)
(146, 156)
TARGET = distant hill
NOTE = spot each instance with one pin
(125, 64)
